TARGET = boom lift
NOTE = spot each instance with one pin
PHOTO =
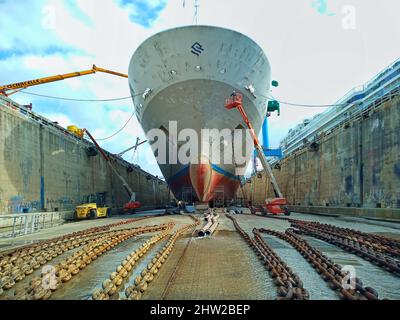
(132, 205)
(4, 90)
(277, 205)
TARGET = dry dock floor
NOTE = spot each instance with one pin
(219, 267)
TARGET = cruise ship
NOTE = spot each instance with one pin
(184, 76)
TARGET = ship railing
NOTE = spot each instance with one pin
(386, 94)
(392, 67)
(337, 109)
(326, 122)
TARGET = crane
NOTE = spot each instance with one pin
(277, 205)
(138, 144)
(4, 90)
(132, 205)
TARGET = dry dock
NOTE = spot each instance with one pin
(342, 240)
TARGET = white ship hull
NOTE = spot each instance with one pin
(187, 74)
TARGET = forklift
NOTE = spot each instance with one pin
(93, 207)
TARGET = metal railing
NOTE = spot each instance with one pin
(390, 93)
(327, 122)
(20, 224)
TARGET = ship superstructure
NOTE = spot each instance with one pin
(356, 102)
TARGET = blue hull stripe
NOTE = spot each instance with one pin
(225, 173)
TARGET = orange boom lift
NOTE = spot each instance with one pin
(277, 205)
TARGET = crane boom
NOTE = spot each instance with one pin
(123, 75)
(35, 82)
(108, 160)
(131, 148)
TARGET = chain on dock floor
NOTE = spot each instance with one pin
(220, 267)
(384, 282)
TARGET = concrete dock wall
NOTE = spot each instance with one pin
(356, 166)
(44, 167)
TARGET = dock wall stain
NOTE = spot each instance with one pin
(43, 169)
(357, 166)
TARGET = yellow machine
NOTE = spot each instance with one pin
(76, 131)
(7, 89)
(93, 208)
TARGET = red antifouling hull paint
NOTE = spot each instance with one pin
(200, 176)
(204, 181)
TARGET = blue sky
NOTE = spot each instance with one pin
(314, 57)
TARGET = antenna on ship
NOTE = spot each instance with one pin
(196, 11)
